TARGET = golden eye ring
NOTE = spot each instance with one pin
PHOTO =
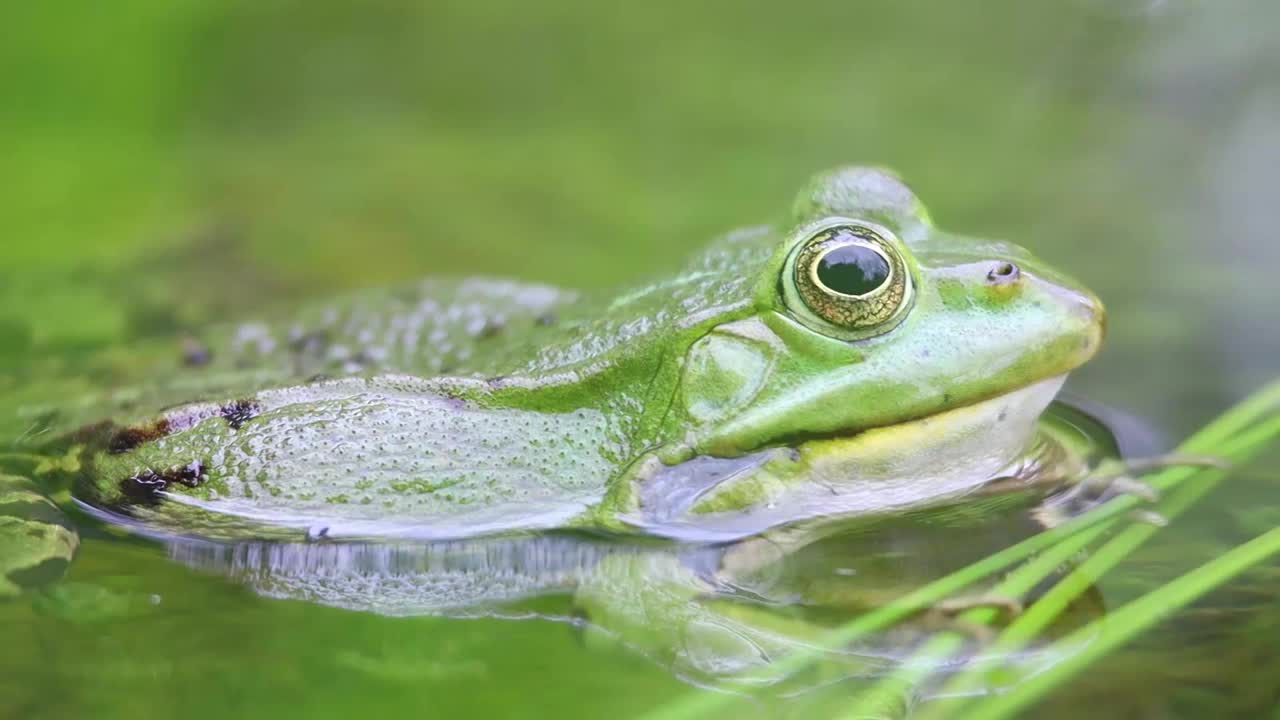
(852, 276)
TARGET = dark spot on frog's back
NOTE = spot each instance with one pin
(130, 438)
(147, 485)
(239, 412)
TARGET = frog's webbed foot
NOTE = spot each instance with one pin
(1113, 478)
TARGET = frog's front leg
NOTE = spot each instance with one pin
(672, 491)
(1111, 478)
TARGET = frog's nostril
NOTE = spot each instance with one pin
(1003, 273)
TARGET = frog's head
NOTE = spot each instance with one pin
(868, 316)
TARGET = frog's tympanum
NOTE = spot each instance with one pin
(849, 360)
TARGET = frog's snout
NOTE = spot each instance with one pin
(1077, 315)
(1093, 308)
(1099, 314)
(1086, 312)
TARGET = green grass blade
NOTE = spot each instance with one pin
(1129, 621)
(944, 645)
(1236, 445)
(1048, 607)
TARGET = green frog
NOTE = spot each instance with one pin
(475, 442)
(850, 359)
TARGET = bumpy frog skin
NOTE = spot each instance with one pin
(735, 395)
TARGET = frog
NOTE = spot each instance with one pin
(847, 361)
(850, 358)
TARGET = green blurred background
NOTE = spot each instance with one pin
(166, 163)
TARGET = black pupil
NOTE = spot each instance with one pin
(853, 269)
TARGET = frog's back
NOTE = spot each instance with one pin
(435, 326)
(347, 415)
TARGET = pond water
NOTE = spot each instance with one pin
(172, 163)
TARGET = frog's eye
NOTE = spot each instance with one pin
(852, 277)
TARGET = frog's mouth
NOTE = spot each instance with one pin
(991, 418)
(997, 430)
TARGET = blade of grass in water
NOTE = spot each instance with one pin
(1048, 607)
(944, 645)
(1129, 621)
(1218, 433)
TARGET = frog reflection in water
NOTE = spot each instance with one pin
(851, 359)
